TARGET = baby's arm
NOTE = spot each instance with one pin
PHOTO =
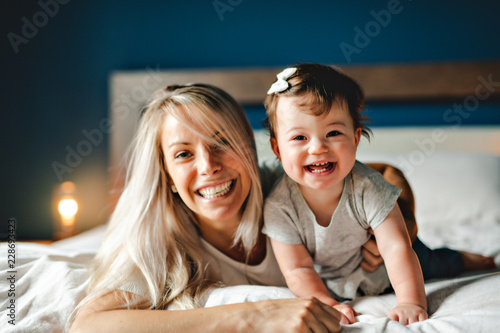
(403, 269)
(297, 267)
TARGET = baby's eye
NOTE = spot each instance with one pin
(299, 138)
(182, 154)
(333, 133)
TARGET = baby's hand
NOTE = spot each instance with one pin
(408, 314)
(348, 313)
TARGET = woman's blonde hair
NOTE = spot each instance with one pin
(152, 235)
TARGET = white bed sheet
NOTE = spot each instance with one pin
(51, 279)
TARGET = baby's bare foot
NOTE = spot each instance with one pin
(477, 262)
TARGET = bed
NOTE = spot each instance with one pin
(454, 172)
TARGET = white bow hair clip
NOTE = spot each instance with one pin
(282, 84)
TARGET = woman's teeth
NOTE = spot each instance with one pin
(216, 191)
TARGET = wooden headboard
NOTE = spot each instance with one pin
(420, 82)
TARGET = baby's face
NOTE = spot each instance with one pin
(317, 152)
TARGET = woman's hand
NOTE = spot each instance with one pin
(294, 315)
(371, 255)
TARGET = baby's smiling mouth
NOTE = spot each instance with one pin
(212, 192)
(320, 167)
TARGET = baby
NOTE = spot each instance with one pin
(319, 214)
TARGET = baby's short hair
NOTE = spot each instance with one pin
(321, 86)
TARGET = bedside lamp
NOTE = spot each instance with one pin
(67, 207)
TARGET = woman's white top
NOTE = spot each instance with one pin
(232, 272)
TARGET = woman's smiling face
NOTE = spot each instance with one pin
(210, 180)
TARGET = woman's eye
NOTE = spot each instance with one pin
(299, 138)
(333, 133)
(221, 143)
(182, 154)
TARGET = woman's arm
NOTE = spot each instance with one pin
(284, 315)
(403, 269)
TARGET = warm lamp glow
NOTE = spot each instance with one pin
(68, 187)
(64, 209)
(68, 208)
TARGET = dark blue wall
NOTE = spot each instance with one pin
(56, 85)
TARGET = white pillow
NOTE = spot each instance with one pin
(244, 293)
(450, 187)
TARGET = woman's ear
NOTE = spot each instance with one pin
(275, 148)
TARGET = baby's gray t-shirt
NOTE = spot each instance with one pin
(366, 200)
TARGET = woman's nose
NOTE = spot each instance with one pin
(317, 146)
(208, 163)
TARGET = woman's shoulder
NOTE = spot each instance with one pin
(270, 171)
